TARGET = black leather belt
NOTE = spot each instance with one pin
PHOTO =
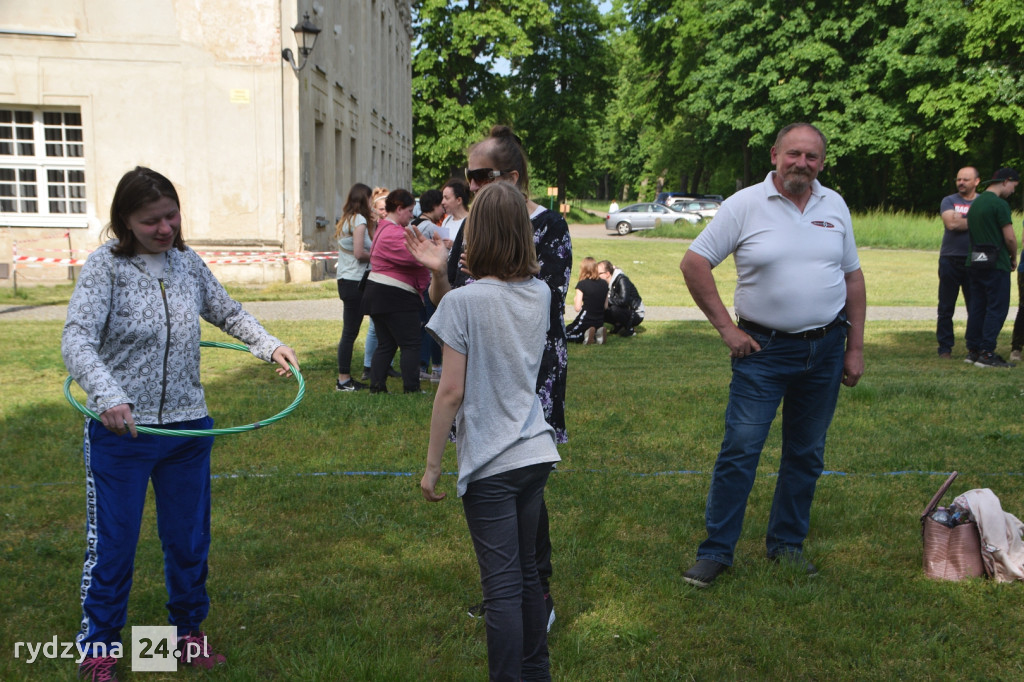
(808, 334)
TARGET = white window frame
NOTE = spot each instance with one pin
(58, 166)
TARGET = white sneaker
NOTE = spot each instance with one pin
(435, 375)
(600, 335)
(588, 337)
(1015, 356)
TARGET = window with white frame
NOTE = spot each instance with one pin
(42, 167)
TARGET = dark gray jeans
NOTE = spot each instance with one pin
(502, 512)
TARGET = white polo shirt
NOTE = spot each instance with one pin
(790, 265)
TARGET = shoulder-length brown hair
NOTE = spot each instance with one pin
(588, 268)
(499, 235)
(137, 188)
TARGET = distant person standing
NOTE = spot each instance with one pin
(800, 303)
(993, 257)
(613, 207)
(956, 244)
(431, 214)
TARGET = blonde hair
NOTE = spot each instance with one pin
(588, 268)
(499, 235)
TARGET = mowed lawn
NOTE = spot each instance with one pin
(328, 565)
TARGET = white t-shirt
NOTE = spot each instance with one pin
(501, 328)
(790, 266)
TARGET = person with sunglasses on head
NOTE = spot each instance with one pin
(500, 158)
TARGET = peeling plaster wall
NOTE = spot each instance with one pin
(197, 89)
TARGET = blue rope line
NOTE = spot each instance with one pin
(651, 474)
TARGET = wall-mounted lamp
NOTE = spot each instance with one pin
(305, 37)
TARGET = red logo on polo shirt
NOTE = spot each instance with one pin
(822, 223)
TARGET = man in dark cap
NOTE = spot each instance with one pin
(993, 257)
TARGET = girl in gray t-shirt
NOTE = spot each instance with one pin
(493, 335)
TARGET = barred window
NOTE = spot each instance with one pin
(42, 166)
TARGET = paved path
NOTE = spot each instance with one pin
(330, 309)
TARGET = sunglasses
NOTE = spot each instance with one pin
(483, 175)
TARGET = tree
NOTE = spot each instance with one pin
(457, 81)
(560, 91)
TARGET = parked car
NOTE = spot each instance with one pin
(705, 208)
(669, 198)
(645, 216)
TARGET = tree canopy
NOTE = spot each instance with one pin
(690, 93)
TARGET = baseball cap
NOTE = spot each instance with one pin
(1005, 174)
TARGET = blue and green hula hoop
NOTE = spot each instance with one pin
(204, 432)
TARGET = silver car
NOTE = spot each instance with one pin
(705, 208)
(646, 216)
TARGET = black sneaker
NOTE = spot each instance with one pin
(989, 359)
(476, 610)
(627, 332)
(972, 357)
(393, 373)
(704, 572)
(796, 560)
(366, 374)
(350, 385)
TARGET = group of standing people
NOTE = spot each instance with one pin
(978, 253)
(499, 285)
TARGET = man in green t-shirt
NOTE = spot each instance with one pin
(993, 257)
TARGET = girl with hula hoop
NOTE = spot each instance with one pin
(131, 340)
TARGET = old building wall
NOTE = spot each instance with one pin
(197, 89)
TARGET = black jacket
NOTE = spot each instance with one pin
(622, 293)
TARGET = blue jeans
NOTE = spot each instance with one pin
(804, 375)
(952, 280)
(987, 308)
(502, 512)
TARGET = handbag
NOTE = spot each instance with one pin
(950, 553)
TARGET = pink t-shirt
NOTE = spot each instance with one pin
(390, 257)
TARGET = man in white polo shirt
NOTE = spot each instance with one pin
(800, 303)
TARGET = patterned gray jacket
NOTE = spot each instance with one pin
(131, 338)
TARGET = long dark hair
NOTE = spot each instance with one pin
(358, 203)
(136, 189)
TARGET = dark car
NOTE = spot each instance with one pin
(645, 216)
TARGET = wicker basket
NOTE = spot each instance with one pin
(950, 553)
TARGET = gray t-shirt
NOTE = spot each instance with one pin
(501, 328)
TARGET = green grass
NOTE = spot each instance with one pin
(352, 576)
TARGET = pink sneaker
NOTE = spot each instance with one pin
(195, 651)
(98, 669)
